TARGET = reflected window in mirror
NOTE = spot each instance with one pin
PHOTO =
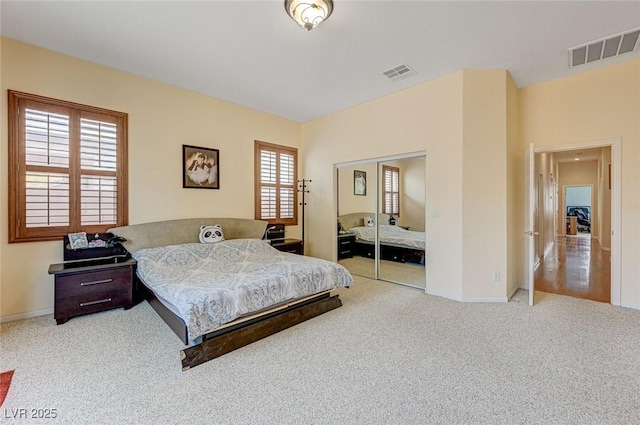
(391, 193)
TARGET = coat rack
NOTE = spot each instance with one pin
(302, 188)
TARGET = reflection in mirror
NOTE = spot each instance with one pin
(401, 220)
(381, 214)
(356, 200)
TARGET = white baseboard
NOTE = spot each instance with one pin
(14, 317)
(470, 299)
(444, 295)
(485, 299)
(633, 306)
(513, 291)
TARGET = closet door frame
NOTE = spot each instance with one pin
(378, 199)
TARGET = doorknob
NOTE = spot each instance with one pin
(530, 233)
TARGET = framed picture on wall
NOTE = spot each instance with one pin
(359, 183)
(200, 167)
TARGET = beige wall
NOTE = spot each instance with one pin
(484, 183)
(604, 200)
(594, 106)
(468, 124)
(412, 192)
(349, 202)
(412, 189)
(426, 117)
(161, 119)
(515, 223)
(545, 215)
(460, 122)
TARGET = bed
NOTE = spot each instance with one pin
(218, 297)
(396, 243)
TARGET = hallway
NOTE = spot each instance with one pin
(576, 266)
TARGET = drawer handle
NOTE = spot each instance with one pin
(96, 282)
(105, 300)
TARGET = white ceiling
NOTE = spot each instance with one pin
(251, 53)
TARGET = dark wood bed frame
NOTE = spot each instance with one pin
(233, 336)
(390, 252)
(242, 331)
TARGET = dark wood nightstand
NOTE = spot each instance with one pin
(346, 245)
(83, 287)
(294, 246)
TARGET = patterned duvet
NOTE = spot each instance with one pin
(391, 235)
(213, 284)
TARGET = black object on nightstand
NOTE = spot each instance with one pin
(294, 246)
(346, 245)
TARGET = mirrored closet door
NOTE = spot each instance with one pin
(381, 219)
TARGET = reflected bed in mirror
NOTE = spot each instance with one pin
(396, 243)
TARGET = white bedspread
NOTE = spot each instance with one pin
(391, 235)
(213, 284)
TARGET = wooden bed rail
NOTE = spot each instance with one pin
(234, 337)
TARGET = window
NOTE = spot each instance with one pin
(67, 168)
(391, 193)
(275, 183)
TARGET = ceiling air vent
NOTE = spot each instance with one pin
(614, 45)
(399, 72)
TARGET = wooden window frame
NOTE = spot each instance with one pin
(385, 192)
(258, 147)
(17, 169)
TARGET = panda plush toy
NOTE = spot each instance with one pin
(368, 222)
(211, 234)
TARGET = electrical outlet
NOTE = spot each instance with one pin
(496, 276)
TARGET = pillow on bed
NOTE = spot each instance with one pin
(368, 222)
(211, 234)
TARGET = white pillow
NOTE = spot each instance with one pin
(211, 234)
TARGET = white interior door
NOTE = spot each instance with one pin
(529, 234)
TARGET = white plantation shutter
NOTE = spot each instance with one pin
(47, 199)
(287, 186)
(98, 152)
(276, 196)
(46, 145)
(98, 198)
(391, 193)
(67, 168)
(268, 185)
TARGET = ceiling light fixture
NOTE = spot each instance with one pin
(308, 13)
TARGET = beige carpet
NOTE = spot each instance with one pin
(390, 355)
(409, 273)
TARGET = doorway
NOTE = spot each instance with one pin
(575, 265)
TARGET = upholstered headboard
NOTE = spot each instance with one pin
(348, 221)
(186, 230)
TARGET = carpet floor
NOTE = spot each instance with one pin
(390, 355)
(409, 273)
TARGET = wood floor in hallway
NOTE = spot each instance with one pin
(578, 267)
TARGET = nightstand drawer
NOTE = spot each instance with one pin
(83, 287)
(346, 245)
(91, 303)
(93, 282)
